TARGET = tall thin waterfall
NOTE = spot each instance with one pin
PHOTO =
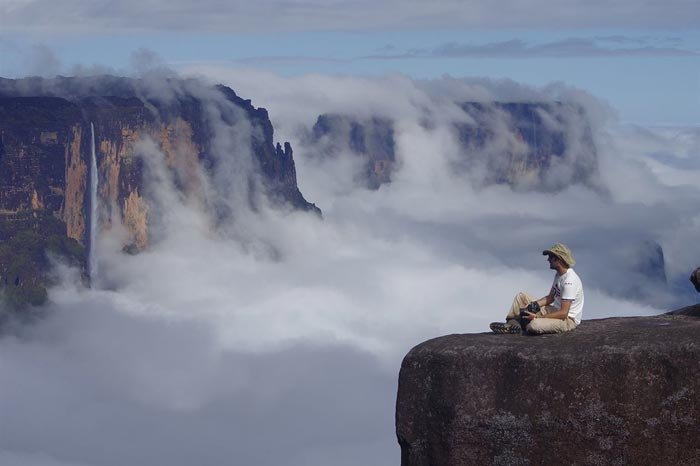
(92, 256)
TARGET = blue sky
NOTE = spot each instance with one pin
(643, 59)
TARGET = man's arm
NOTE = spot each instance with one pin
(562, 313)
(549, 299)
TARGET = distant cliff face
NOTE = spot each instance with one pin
(539, 146)
(214, 145)
(612, 392)
(46, 139)
(371, 140)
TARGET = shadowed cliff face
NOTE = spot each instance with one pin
(614, 391)
(371, 140)
(42, 166)
(215, 148)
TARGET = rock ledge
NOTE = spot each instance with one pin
(615, 391)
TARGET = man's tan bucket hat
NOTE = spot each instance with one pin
(562, 252)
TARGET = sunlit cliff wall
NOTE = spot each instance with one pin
(46, 139)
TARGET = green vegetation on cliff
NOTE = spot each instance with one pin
(27, 242)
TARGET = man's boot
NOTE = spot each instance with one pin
(511, 326)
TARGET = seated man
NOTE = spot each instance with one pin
(559, 311)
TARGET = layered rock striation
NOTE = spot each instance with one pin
(613, 392)
(217, 148)
(45, 145)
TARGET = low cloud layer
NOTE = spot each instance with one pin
(277, 338)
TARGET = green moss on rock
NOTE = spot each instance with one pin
(25, 250)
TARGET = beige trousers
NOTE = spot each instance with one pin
(540, 325)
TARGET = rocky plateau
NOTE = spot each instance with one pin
(617, 391)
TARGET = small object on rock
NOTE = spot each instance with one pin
(695, 279)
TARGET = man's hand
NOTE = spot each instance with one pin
(529, 315)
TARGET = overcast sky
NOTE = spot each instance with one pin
(300, 15)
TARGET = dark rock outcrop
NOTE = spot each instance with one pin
(695, 279)
(614, 391)
(46, 139)
(644, 264)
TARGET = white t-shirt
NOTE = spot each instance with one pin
(569, 286)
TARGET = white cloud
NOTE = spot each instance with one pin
(359, 15)
(277, 339)
(516, 48)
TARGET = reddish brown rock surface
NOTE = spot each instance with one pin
(204, 133)
(46, 139)
(616, 391)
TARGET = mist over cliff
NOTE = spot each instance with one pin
(275, 338)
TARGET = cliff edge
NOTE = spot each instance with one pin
(615, 391)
